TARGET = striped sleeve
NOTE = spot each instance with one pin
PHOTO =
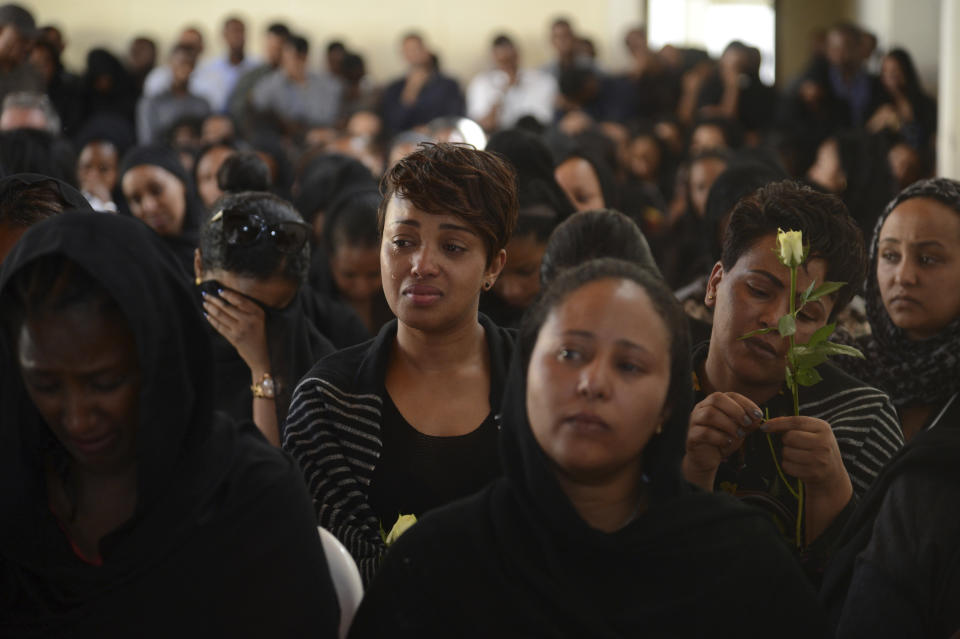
(335, 438)
(867, 430)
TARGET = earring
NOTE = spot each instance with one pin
(486, 286)
(198, 281)
(710, 298)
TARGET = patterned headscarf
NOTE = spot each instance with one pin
(925, 371)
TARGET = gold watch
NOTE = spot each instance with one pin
(264, 388)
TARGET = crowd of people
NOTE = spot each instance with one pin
(243, 298)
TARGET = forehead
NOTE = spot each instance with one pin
(78, 338)
(922, 216)
(145, 174)
(100, 151)
(400, 210)
(762, 255)
(612, 310)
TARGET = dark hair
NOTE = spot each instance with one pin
(24, 204)
(663, 453)
(336, 45)
(591, 235)
(243, 171)
(826, 224)
(353, 222)
(479, 187)
(735, 182)
(910, 77)
(35, 151)
(260, 259)
(299, 44)
(279, 29)
(51, 284)
(325, 179)
(203, 151)
(502, 40)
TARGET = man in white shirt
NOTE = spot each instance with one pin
(214, 79)
(496, 99)
(160, 78)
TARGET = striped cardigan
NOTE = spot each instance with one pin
(333, 431)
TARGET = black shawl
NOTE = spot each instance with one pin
(932, 454)
(220, 514)
(517, 560)
(910, 371)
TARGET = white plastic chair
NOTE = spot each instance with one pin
(345, 576)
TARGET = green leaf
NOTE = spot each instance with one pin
(788, 377)
(807, 376)
(821, 334)
(806, 294)
(825, 289)
(759, 331)
(807, 357)
(832, 348)
(787, 326)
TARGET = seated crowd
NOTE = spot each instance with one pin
(241, 299)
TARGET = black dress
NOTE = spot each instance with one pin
(223, 540)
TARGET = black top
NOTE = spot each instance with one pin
(418, 472)
(896, 572)
(334, 431)
(516, 560)
(222, 540)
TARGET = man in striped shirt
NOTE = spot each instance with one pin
(743, 437)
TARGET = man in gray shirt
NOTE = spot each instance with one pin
(299, 99)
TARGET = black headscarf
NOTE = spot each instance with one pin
(71, 197)
(197, 475)
(165, 158)
(910, 371)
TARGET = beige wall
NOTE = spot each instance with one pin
(459, 31)
(796, 21)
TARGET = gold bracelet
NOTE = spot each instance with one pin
(265, 388)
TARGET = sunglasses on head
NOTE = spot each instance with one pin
(245, 229)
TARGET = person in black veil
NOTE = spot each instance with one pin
(28, 198)
(251, 271)
(592, 532)
(159, 191)
(107, 87)
(543, 205)
(137, 509)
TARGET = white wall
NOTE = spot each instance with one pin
(911, 24)
(460, 32)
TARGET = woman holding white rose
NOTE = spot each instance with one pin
(743, 437)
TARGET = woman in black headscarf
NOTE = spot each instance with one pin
(913, 305)
(137, 509)
(251, 270)
(107, 87)
(159, 192)
(28, 198)
(592, 532)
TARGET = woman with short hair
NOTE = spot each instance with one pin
(409, 421)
